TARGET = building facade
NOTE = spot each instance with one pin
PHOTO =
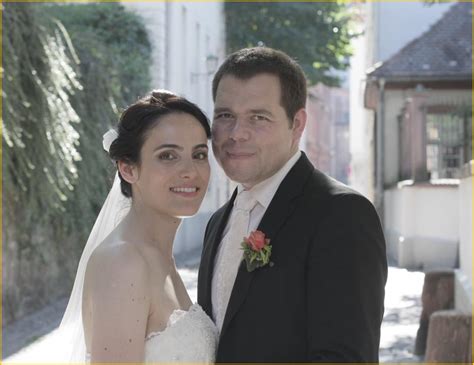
(385, 27)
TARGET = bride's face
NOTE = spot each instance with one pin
(173, 173)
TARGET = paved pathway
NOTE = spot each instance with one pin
(402, 313)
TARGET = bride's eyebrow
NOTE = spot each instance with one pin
(175, 146)
(201, 146)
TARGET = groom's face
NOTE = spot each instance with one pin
(252, 135)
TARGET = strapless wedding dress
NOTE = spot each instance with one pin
(190, 336)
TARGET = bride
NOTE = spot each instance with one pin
(129, 303)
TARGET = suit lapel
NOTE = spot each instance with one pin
(280, 208)
(208, 257)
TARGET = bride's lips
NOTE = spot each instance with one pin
(186, 191)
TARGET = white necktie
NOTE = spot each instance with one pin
(230, 255)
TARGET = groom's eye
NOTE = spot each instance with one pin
(223, 116)
(259, 117)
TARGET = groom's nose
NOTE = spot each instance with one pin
(239, 130)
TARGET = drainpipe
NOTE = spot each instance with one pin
(380, 149)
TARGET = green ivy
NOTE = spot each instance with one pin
(69, 70)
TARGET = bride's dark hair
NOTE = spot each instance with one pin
(141, 117)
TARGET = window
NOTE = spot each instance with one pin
(448, 141)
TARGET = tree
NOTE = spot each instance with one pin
(68, 72)
(316, 34)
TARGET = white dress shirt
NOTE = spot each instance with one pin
(263, 192)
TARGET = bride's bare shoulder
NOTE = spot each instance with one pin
(116, 260)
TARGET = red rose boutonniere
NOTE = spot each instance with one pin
(257, 250)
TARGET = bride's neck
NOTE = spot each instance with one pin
(147, 227)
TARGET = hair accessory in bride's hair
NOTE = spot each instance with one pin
(163, 92)
(108, 137)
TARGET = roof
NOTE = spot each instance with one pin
(444, 52)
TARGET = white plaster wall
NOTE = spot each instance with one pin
(154, 18)
(392, 216)
(463, 289)
(195, 30)
(361, 123)
(421, 225)
(436, 212)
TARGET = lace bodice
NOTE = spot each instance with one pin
(190, 336)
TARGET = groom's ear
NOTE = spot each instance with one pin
(128, 171)
(299, 123)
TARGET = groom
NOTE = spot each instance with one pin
(320, 296)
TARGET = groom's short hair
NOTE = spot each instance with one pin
(249, 62)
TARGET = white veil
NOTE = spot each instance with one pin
(70, 335)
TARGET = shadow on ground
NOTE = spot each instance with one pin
(31, 327)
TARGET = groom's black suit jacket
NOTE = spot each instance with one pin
(322, 300)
